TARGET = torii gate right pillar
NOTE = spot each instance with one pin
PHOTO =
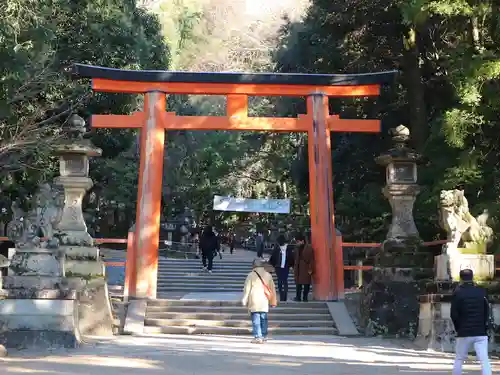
(329, 267)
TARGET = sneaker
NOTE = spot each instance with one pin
(257, 341)
(264, 339)
(203, 268)
(210, 271)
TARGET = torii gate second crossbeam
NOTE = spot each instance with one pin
(154, 120)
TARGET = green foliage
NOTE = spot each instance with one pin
(39, 39)
(450, 49)
(458, 124)
(447, 52)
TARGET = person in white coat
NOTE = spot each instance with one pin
(259, 293)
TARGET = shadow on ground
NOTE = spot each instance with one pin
(210, 355)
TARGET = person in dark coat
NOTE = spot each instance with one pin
(470, 315)
(303, 267)
(259, 244)
(209, 247)
(282, 261)
(232, 241)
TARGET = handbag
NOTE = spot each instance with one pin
(267, 290)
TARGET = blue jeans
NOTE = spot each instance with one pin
(259, 324)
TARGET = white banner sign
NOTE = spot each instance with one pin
(272, 206)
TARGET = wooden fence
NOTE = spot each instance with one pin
(101, 241)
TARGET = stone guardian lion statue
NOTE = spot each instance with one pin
(461, 227)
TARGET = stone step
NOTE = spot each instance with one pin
(208, 276)
(230, 318)
(234, 309)
(210, 285)
(209, 279)
(212, 289)
(197, 270)
(240, 315)
(245, 323)
(225, 259)
(210, 330)
(246, 269)
(166, 303)
(219, 282)
(205, 275)
(197, 263)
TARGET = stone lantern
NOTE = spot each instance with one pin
(74, 177)
(401, 184)
(390, 300)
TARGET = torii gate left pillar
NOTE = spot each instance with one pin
(142, 257)
(147, 232)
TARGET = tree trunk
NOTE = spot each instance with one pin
(474, 34)
(494, 23)
(418, 125)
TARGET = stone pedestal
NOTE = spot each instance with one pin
(56, 297)
(435, 328)
(53, 312)
(390, 302)
(448, 267)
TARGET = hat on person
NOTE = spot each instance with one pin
(258, 262)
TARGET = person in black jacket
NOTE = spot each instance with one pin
(470, 315)
(282, 260)
(209, 247)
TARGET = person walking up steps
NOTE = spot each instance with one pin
(470, 315)
(209, 247)
(303, 267)
(259, 292)
(282, 261)
(259, 244)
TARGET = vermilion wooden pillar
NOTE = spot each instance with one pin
(321, 201)
(147, 228)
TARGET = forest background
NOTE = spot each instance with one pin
(447, 94)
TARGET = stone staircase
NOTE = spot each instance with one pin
(230, 318)
(186, 276)
(191, 301)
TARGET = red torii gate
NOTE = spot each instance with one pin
(142, 259)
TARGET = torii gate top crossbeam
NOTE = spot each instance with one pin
(258, 84)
